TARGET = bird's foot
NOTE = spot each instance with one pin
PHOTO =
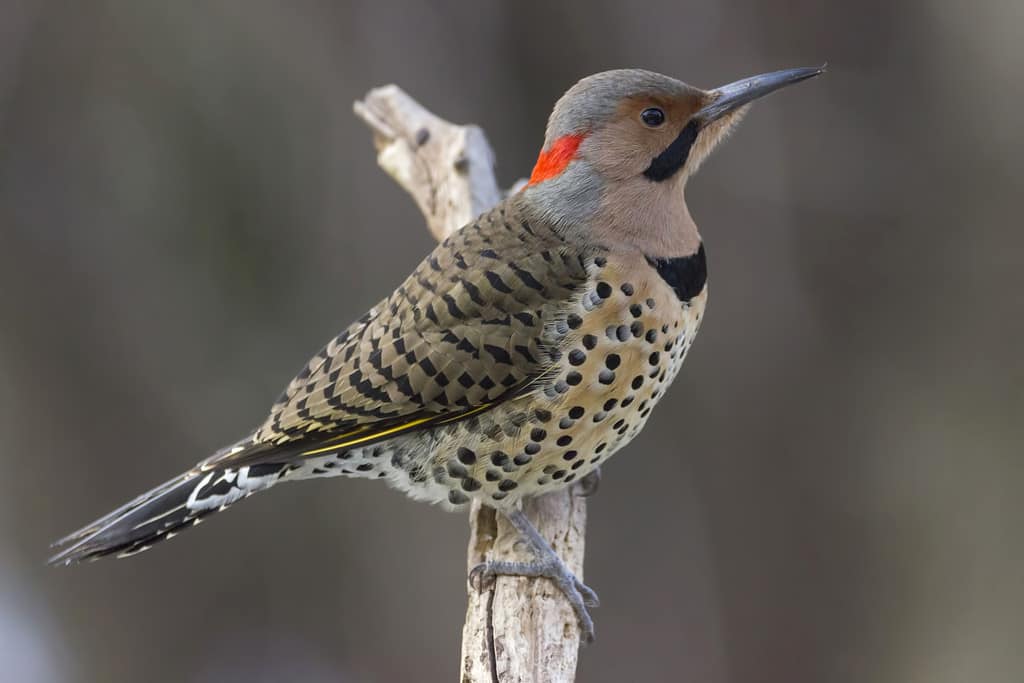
(547, 565)
(588, 485)
(579, 594)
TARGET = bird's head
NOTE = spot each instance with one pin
(625, 141)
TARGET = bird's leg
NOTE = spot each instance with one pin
(548, 565)
(588, 485)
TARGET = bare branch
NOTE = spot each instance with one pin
(448, 169)
(518, 630)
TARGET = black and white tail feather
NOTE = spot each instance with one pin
(183, 502)
(165, 511)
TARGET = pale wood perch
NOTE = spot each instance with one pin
(519, 630)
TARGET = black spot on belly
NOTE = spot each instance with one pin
(687, 275)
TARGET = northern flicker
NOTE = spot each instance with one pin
(523, 352)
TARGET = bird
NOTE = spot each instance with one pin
(522, 353)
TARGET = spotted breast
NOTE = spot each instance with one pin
(621, 342)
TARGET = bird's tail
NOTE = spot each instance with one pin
(165, 511)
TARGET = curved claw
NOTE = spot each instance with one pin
(579, 595)
(479, 578)
(590, 598)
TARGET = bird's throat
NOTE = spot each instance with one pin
(650, 217)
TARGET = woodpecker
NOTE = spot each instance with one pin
(522, 353)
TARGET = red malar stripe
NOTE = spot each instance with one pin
(553, 160)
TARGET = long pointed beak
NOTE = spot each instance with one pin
(729, 98)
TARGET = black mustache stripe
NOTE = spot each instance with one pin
(666, 164)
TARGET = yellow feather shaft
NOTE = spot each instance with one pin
(388, 432)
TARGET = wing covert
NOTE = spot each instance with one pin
(468, 328)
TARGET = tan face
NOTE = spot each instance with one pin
(642, 127)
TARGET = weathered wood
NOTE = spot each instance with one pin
(517, 630)
(448, 169)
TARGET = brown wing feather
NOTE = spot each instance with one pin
(466, 328)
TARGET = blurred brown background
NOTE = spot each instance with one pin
(831, 492)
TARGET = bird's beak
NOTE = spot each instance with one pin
(729, 98)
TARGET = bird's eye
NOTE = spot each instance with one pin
(653, 117)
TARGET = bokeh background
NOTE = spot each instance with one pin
(831, 491)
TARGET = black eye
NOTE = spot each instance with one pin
(653, 117)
